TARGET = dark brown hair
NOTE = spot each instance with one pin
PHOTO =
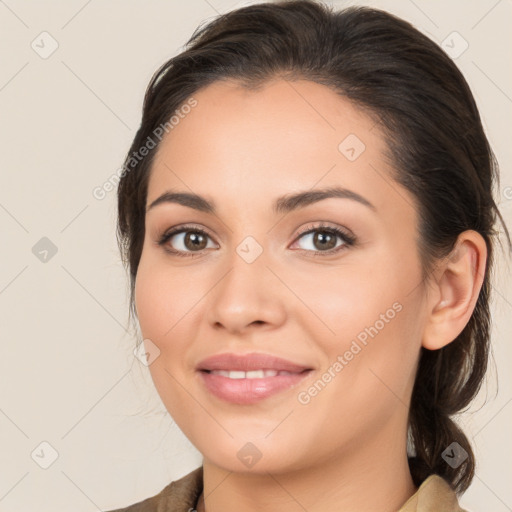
(436, 144)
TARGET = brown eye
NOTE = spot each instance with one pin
(194, 240)
(186, 241)
(324, 240)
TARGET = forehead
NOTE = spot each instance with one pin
(253, 145)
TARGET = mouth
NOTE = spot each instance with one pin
(253, 374)
(247, 363)
(249, 378)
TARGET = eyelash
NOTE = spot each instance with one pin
(348, 239)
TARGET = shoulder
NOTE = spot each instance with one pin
(178, 496)
(434, 495)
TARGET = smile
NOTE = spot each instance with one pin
(254, 374)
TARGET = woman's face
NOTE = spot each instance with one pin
(351, 313)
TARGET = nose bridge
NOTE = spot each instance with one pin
(246, 294)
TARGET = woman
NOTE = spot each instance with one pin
(307, 216)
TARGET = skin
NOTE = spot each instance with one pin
(242, 149)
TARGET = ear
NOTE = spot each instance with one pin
(454, 289)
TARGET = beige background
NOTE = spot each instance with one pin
(68, 376)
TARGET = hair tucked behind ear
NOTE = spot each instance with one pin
(437, 148)
(446, 382)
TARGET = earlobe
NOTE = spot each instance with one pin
(457, 283)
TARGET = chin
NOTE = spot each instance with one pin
(253, 457)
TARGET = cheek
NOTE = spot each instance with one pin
(347, 298)
(150, 301)
(373, 320)
(164, 300)
(381, 349)
(163, 296)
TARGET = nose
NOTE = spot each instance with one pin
(248, 295)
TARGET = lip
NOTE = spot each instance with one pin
(248, 362)
(248, 391)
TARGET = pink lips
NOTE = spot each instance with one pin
(249, 390)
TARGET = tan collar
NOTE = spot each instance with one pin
(433, 495)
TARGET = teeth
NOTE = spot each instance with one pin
(253, 374)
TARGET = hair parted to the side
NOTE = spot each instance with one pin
(437, 147)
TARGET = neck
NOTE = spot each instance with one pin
(374, 476)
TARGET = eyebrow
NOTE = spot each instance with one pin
(283, 204)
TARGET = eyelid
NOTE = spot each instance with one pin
(323, 225)
(347, 236)
(186, 227)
